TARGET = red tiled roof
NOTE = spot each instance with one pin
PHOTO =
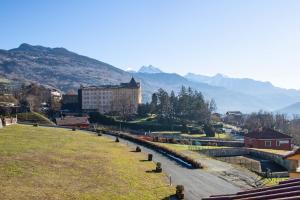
(267, 133)
(289, 189)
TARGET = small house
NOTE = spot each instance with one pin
(234, 117)
(71, 121)
(9, 121)
(267, 138)
(294, 158)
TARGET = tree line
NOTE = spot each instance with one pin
(188, 106)
(276, 121)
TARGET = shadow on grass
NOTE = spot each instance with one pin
(151, 171)
(144, 160)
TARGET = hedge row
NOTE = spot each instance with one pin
(191, 161)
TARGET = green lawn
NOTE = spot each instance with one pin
(274, 151)
(149, 120)
(48, 163)
(34, 117)
(183, 147)
(272, 181)
(167, 132)
(217, 136)
(192, 152)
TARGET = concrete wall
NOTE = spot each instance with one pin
(225, 152)
(221, 154)
(248, 163)
(288, 164)
(275, 174)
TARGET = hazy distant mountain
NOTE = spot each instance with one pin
(149, 70)
(66, 70)
(291, 110)
(275, 97)
(226, 99)
(244, 85)
(130, 71)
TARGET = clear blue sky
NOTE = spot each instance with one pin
(259, 39)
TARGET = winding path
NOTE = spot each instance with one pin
(198, 183)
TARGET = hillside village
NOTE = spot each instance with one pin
(50, 67)
(244, 150)
(150, 100)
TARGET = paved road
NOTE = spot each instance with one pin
(198, 183)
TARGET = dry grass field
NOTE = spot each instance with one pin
(48, 163)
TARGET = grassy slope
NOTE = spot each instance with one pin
(34, 117)
(184, 147)
(48, 163)
(217, 135)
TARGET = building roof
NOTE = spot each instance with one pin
(288, 189)
(236, 113)
(267, 133)
(131, 84)
(71, 121)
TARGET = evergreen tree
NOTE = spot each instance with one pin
(154, 103)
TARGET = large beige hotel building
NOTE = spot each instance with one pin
(111, 98)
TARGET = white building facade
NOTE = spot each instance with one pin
(111, 98)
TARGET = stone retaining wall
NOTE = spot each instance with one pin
(287, 164)
(225, 152)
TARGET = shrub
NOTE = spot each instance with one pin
(171, 140)
(150, 156)
(209, 131)
(179, 188)
(179, 191)
(138, 149)
(158, 167)
(117, 139)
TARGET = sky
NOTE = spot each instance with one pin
(257, 39)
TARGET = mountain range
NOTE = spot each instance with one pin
(291, 110)
(150, 70)
(65, 70)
